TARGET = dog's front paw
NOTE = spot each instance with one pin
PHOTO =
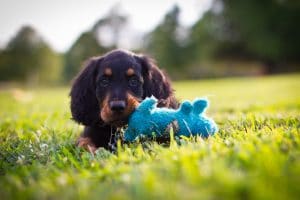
(87, 144)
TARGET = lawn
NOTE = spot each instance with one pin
(255, 154)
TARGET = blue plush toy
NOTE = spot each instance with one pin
(189, 119)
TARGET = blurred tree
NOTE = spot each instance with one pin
(165, 45)
(28, 57)
(91, 43)
(85, 46)
(257, 30)
(4, 66)
(110, 27)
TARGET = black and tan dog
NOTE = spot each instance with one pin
(108, 89)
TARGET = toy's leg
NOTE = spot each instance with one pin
(172, 126)
(165, 138)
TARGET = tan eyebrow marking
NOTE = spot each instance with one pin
(108, 71)
(130, 72)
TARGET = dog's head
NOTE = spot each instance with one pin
(109, 88)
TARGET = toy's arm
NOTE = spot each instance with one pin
(186, 107)
(200, 105)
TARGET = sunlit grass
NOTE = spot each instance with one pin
(255, 155)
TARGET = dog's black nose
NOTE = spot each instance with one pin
(117, 106)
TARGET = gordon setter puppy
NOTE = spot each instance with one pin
(108, 89)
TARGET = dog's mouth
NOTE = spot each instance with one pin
(117, 119)
(118, 123)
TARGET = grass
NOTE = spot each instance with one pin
(255, 155)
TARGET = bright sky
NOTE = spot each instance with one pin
(60, 22)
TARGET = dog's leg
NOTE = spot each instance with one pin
(87, 144)
(94, 137)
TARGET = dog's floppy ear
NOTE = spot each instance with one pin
(84, 104)
(156, 83)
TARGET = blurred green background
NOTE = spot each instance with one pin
(232, 38)
(255, 154)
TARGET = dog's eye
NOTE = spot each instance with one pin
(104, 82)
(133, 82)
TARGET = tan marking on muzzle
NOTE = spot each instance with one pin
(105, 113)
(132, 103)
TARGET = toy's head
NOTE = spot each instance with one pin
(149, 120)
(146, 106)
(139, 119)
